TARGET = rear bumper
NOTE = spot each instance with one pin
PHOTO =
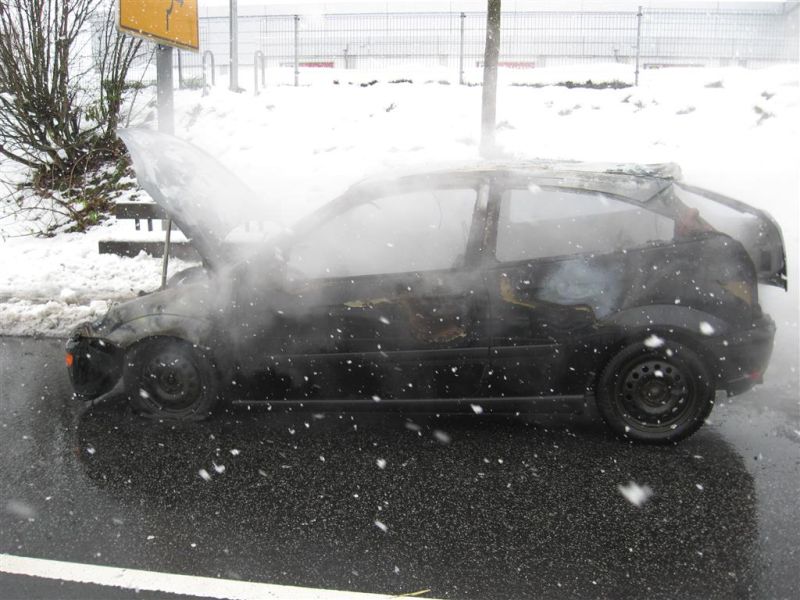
(742, 358)
(94, 364)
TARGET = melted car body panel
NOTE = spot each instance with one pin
(550, 270)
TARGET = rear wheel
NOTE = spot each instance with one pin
(656, 395)
(170, 379)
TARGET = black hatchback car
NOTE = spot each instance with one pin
(490, 285)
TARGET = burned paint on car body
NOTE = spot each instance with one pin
(503, 282)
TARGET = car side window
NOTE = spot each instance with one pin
(537, 223)
(421, 230)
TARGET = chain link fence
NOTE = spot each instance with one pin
(453, 42)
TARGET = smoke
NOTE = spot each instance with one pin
(378, 271)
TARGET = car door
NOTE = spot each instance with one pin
(385, 298)
(558, 267)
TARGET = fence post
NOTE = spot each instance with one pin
(256, 54)
(461, 52)
(296, 39)
(638, 45)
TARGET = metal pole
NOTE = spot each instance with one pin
(166, 124)
(461, 52)
(256, 55)
(213, 68)
(166, 117)
(638, 44)
(205, 71)
(296, 38)
(180, 70)
(489, 96)
(263, 70)
(165, 260)
(234, 49)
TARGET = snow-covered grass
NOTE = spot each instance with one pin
(732, 130)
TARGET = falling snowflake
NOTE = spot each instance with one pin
(706, 328)
(441, 436)
(654, 341)
(381, 463)
(20, 509)
(635, 494)
(204, 475)
(235, 452)
(380, 525)
(384, 320)
(476, 408)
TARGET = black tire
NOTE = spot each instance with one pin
(655, 395)
(172, 379)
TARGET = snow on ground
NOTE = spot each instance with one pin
(732, 130)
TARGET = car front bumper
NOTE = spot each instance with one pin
(94, 364)
(742, 357)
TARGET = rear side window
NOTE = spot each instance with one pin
(416, 231)
(538, 223)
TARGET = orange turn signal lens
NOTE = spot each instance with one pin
(69, 359)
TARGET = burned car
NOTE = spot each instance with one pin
(491, 286)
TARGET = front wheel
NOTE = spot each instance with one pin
(170, 379)
(655, 395)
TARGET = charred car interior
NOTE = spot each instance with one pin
(490, 284)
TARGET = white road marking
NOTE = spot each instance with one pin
(151, 581)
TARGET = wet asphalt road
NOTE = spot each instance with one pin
(474, 506)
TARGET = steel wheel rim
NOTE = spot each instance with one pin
(172, 381)
(654, 393)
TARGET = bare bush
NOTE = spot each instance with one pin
(60, 105)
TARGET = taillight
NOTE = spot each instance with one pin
(69, 359)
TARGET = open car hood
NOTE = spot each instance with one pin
(198, 193)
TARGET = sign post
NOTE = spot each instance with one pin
(170, 23)
(166, 124)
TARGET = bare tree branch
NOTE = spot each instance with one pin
(59, 103)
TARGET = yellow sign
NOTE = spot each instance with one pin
(170, 22)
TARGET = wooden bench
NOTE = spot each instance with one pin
(147, 212)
